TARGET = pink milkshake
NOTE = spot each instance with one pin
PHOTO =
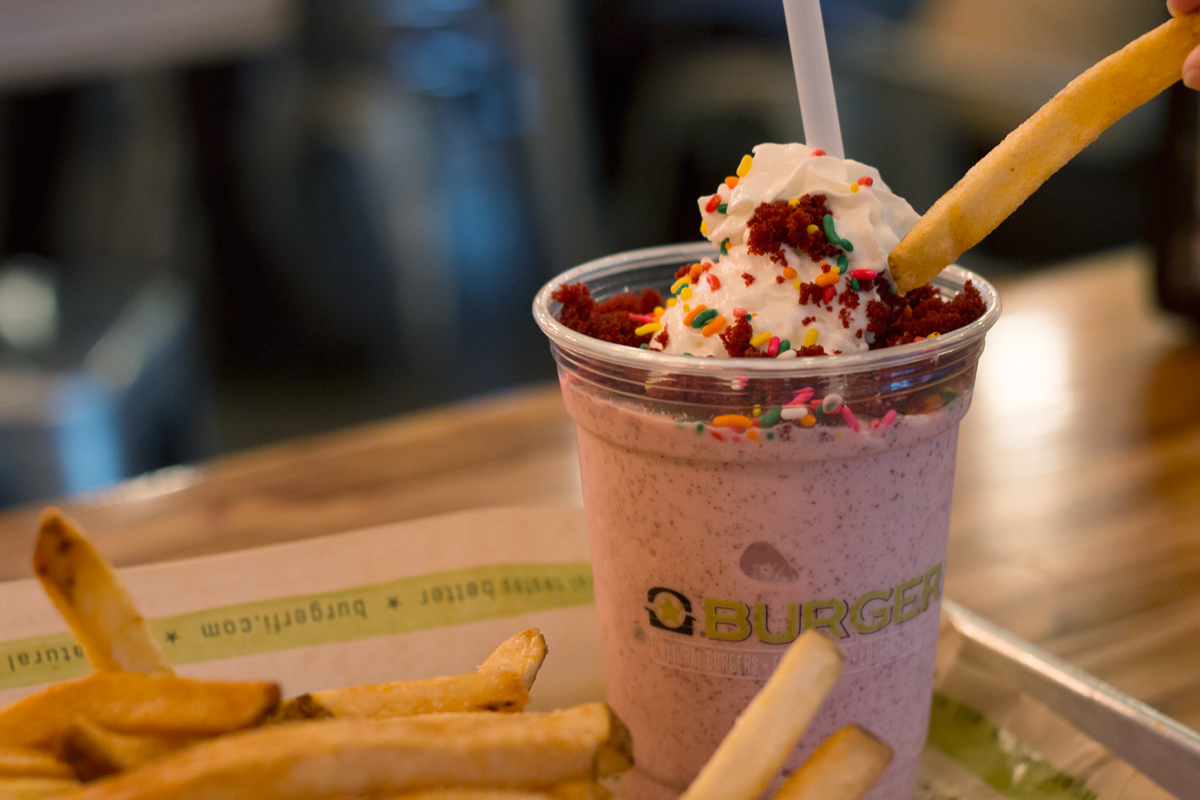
(734, 502)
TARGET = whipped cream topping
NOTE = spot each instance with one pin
(868, 220)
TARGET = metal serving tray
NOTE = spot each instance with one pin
(1162, 749)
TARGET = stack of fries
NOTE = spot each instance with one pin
(133, 730)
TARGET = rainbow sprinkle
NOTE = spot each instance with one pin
(651, 327)
(831, 404)
(744, 167)
(714, 327)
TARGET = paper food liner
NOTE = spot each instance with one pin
(435, 596)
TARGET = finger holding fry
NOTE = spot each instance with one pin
(1003, 179)
(89, 595)
(766, 732)
(843, 767)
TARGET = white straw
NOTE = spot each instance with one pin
(810, 59)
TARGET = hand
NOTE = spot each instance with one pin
(1191, 64)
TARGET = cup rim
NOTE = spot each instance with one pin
(952, 277)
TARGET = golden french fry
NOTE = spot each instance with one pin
(91, 598)
(23, 763)
(579, 790)
(366, 758)
(133, 703)
(94, 751)
(843, 767)
(470, 794)
(767, 731)
(522, 653)
(500, 691)
(1014, 169)
(34, 788)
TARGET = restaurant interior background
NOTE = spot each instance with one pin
(228, 222)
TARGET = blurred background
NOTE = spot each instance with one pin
(228, 222)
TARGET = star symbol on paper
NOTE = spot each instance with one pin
(393, 602)
(172, 636)
(668, 609)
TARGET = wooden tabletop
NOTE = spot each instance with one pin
(1076, 514)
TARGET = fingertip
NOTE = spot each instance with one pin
(1179, 8)
(1191, 69)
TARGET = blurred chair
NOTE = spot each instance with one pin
(83, 405)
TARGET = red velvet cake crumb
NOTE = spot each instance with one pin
(897, 320)
(736, 339)
(776, 224)
(810, 292)
(608, 320)
(748, 278)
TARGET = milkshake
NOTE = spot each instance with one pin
(738, 499)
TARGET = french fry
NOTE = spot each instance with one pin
(579, 790)
(470, 794)
(22, 763)
(136, 704)
(522, 654)
(843, 767)
(500, 691)
(34, 788)
(1014, 169)
(94, 751)
(91, 598)
(335, 758)
(767, 731)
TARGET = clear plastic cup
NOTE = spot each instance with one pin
(714, 544)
